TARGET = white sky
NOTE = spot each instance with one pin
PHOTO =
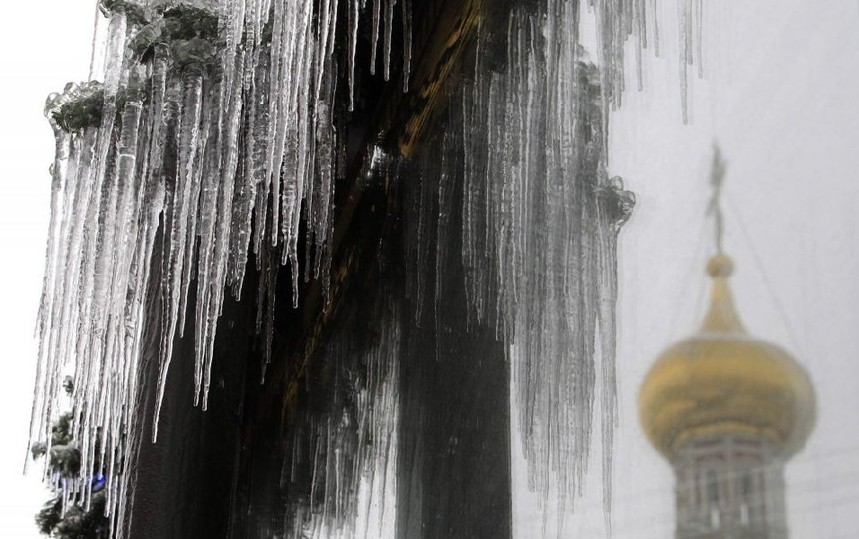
(43, 44)
(782, 98)
(781, 95)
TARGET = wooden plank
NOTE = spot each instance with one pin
(457, 25)
(404, 118)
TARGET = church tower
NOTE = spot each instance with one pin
(727, 410)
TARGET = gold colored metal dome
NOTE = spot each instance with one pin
(723, 381)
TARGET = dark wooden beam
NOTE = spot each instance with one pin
(456, 26)
(446, 29)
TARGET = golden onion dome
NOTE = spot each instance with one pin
(722, 381)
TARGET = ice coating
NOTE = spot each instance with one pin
(206, 146)
(214, 119)
(540, 218)
(337, 463)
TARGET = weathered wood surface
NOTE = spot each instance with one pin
(397, 128)
(454, 427)
(191, 482)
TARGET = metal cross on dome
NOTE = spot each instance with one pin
(717, 177)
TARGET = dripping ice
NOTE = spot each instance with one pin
(164, 162)
(183, 177)
(540, 218)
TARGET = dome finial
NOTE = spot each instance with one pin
(722, 382)
(720, 265)
(722, 316)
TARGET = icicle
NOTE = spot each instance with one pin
(266, 295)
(389, 29)
(614, 207)
(63, 190)
(219, 126)
(354, 16)
(221, 254)
(374, 39)
(59, 172)
(204, 116)
(258, 144)
(174, 196)
(618, 20)
(538, 236)
(184, 206)
(60, 198)
(276, 136)
(407, 43)
(342, 482)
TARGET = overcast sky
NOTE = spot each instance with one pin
(43, 44)
(782, 99)
(781, 95)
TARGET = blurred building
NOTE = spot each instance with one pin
(727, 410)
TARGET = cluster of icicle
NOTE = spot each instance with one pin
(341, 481)
(211, 131)
(540, 219)
(619, 21)
(333, 473)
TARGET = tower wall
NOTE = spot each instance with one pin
(729, 487)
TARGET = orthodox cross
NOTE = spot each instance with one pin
(717, 176)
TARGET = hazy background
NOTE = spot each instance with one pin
(782, 99)
(43, 44)
(781, 95)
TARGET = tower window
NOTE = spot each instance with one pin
(712, 487)
(713, 498)
(746, 489)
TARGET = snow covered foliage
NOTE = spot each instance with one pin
(211, 139)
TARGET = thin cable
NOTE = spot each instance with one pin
(792, 335)
(692, 270)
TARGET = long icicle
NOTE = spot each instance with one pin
(215, 121)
